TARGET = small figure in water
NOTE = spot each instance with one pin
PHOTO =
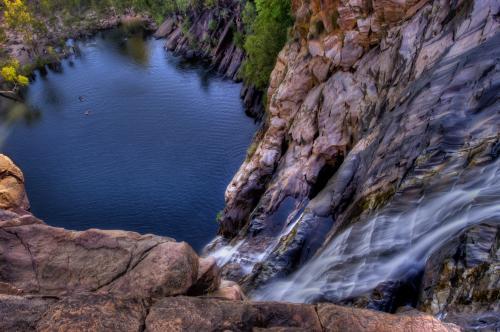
(87, 112)
(81, 98)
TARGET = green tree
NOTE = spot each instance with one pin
(18, 17)
(10, 73)
(268, 35)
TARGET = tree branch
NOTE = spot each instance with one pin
(12, 95)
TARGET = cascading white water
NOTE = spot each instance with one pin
(393, 243)
(247, 254)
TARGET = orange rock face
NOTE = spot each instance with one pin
(12, 194)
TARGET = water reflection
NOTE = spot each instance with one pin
(130, 41)
(12, 112)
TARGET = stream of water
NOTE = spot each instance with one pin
(395, 243)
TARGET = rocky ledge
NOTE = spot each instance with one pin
(52, 279)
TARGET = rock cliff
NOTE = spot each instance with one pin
(52, 279)
(209, 35)
(372, 104)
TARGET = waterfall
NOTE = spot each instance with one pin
(396, 241)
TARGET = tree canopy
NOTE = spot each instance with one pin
(267, 36)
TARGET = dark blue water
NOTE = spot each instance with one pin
(150, 147)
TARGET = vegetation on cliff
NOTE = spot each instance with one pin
(267, 34)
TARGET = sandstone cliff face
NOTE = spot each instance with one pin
(53, 279)
(368, 102)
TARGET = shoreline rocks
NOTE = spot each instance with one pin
(208, 36)
(50, 51)
(52, 279)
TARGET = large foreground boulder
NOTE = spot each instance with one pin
(43, 260)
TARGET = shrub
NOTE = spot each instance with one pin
(251, 150)
(248, 16)
(218, 217)
(10, 73)
(209, 3)
(212, 24)
(239, 39)
(268, 36)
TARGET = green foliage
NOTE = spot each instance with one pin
(262, 35)
(18, 16)
(210, 3)
(10, 73)
(212, 24)
(248, 16)
(239, 39)
(268, 35)
(186, 25)
(251, 150)
(3, 36)
(218, 217)
(158, 9)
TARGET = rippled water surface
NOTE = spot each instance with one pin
(129, 137)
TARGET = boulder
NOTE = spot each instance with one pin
(44, 260)
(168, 269)
(209, 277)
(229, 290)
(12, 193)
(165, 28)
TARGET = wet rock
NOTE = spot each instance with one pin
(229, 290)
(461, 282)
(53, 279)
(165, 28)
(252, 98)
